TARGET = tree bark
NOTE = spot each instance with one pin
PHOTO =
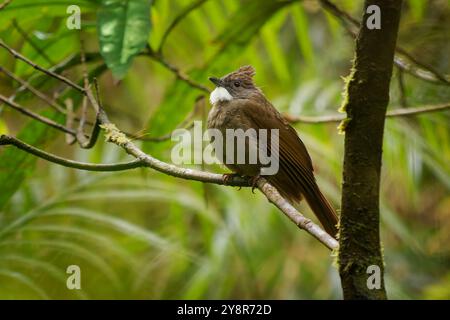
(366, 100)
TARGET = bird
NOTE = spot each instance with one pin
(237, 103)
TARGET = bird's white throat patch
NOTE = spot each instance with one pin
(219, 94)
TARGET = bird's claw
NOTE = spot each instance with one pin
(254, 182)
(227, 177)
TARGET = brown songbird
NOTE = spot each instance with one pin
(238, 104)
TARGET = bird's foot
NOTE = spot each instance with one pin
(254, 181)
(227, 177)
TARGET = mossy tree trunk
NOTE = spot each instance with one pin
(367, 97)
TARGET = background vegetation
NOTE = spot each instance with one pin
(141, 234)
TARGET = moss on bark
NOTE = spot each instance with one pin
(367, 97)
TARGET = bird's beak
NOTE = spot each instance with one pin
(216, 81)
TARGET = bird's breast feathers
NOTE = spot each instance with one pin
(220, 94)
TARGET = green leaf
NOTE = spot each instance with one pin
(123, 29)
(28, 10)
(417, 8)
(247, 21)
(3, 127)
(301, 29)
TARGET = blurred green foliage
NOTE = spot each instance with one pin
(141, 234)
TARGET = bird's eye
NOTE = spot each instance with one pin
(237, 84)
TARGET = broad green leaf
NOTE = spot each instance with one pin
(123, 29)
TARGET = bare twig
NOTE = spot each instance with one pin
(61, 78)
(80, 130)
(400, 112)
(187, 123)
(33, 90)
(114, 135)
(8, 140)
(423, 65)
(162, 138)
(69, 121)
(180, 75)
(420, 73)
(420, 69)
(144, 160)
(70, 117)
(27, 38)
(4, 4)
(301, 221)
(183, 14)
(66, 64)
(35, 116)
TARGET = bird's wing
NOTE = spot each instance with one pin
(295, 167)
(295, 178)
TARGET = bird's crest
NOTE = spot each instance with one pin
(244, 73)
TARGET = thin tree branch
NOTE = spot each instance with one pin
(33, 90)
(69, 121)
(70, 117)
(423, 65)
(61, 78)
(187, 123)
(400, 112)
(36, 116)
(300, 221)
(114, 135)
(183, 14)
(4, 4)
(144, 160)
(8, 140)
(80, 130)
(420, 70)
(67, 63)
(84, 105)
(158, 57)
(71, 62)
(162, 138)
(27, 38)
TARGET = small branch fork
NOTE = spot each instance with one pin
(114, 135)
